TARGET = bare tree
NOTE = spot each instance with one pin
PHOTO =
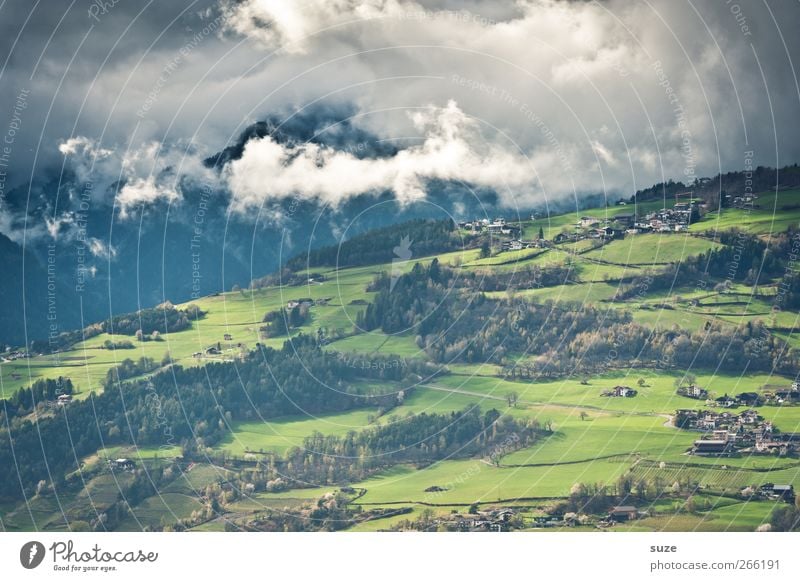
(512, 397)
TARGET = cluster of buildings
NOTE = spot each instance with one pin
(217, 348)
(781, 396)
(500, 227)
(307, 303)
(594, 233)
(617, 514)
(741, 202)
(675, 219)
(522, 244)
(494, 520)
(496, 226)
(729, 434)
(502, 519)
(14, 355)
(497, 520)
(590, 227)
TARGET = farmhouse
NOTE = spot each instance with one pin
(64, 399)
(620, 391)
(475, 226)
(778, 491)
(605, 233)
(306, 302)
(726, 401)
(626, 220)
(513, 245)
(693, 392)
(784, 396)
(588, 222)
(787, 396)
(122, 464)
(623, 513)
(749, 398)
(547, 521)
(712, 448)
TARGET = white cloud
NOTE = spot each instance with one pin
(86, 156)
(100, 249)
(150, 173)
(83, 146)
(290, 25)
(452, 149)
(142, 191)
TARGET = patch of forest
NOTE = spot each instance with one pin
(192, 407)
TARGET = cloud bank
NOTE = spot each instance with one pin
(555, 99)
(452, 149)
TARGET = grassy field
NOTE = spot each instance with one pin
(281, 434)
(160, 510)
(651, 249)
(772, 213)
(469, 481)
(379, 343)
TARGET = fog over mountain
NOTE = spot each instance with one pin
(156, 150)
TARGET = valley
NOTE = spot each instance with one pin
(530, 342)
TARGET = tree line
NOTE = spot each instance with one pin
(454, 323)
(420, 439)
(400, 241)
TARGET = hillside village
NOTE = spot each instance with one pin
(678, 218)
(730, 435)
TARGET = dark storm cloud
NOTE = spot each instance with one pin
(560, 98)
(62, 53)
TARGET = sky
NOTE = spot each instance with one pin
(536, 99)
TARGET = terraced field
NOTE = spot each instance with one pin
(772, 213)
(651, 249)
